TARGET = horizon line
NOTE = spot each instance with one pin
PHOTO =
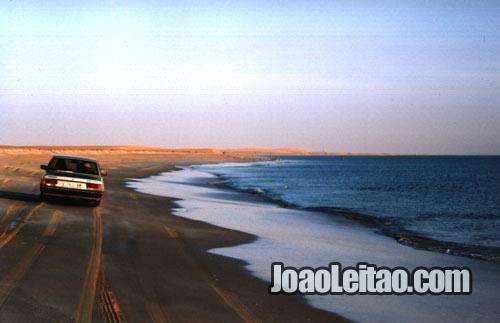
(242, 150)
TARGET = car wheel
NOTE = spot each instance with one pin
(96, 203)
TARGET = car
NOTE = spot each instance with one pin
(72, 177)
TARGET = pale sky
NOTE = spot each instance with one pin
(392, 76)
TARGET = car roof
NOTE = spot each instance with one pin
(75, 157)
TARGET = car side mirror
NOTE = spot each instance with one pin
(104, 172)
(43, 166)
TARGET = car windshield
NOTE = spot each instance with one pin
(73, 165)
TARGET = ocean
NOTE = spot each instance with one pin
(310, 211)
(447, 199)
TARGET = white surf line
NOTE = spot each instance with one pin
(302, 238)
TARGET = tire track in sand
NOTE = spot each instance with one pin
(95, 287)
(110, 308)
(10, 281)
(19, 220)
(230, 299)
(7, 214)
(88, 294)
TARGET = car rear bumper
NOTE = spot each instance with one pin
(70, 193)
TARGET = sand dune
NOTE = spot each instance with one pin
(149, 149)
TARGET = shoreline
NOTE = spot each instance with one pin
(398, 233)
(221, 207)
(156, 265)
(414, 240)
(234, 238)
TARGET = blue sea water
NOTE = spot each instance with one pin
(302, 238)
(450, 199)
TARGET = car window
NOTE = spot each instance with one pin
(73, 165)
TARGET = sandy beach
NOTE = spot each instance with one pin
(130, 259)
(257, 161)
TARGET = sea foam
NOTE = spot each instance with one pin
(301, 238)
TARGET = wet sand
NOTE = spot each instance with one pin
(130, 259)
(309, 238)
